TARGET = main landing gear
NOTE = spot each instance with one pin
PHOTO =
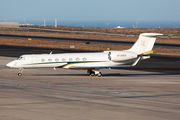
(20, 72)
(95, 73)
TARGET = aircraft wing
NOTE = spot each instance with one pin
(98, 67)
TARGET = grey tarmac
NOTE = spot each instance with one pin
(46, 94)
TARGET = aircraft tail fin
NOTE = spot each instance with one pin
(145, 43)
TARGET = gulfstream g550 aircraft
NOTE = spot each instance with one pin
(92, 62)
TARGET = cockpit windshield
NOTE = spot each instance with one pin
(20, 58)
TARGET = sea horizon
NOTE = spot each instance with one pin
(103, 23)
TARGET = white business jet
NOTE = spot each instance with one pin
(91, 62)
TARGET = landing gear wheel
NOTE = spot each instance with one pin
(92, 73)
(99, 74)
(19, 74)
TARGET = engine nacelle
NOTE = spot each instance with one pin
(121, 55)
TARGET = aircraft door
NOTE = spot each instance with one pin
(34, 61)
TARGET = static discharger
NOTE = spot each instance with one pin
(29, 38)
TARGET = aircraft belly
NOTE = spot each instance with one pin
(96, 64)
(36, 65)
(51, 65)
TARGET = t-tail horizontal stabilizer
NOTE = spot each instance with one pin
(144, 43)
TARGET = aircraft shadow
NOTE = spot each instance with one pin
(119, 74)
(104, 75)
(149, 96)
(59, 74)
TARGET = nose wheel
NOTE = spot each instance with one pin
(20, 72)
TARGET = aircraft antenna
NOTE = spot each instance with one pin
(55, 23)
(136, 24)
(24, 21)
(44, 23)
(107, 25)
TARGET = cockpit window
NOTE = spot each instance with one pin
(20, 58)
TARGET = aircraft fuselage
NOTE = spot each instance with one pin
(74, 60)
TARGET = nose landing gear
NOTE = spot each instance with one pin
(20, 72)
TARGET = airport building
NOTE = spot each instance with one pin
(9, 24)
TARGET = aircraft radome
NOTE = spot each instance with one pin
(91, 62)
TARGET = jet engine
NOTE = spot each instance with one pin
(117, 56)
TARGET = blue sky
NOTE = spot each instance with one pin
(144, 10)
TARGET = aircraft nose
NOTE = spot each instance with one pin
(10, 64)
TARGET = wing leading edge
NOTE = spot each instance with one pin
(100, 67)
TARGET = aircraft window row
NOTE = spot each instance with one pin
(84, 59)
(57, 60)
(42, 60)
(49, 60)
(63, 59)
(20, 58)
(70, 59)
(77, 59)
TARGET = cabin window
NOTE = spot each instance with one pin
(70, 59)
(49, 59)
(57, 60)
(63, 59)
(77, 59)
(84, 59)
(42, 60)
